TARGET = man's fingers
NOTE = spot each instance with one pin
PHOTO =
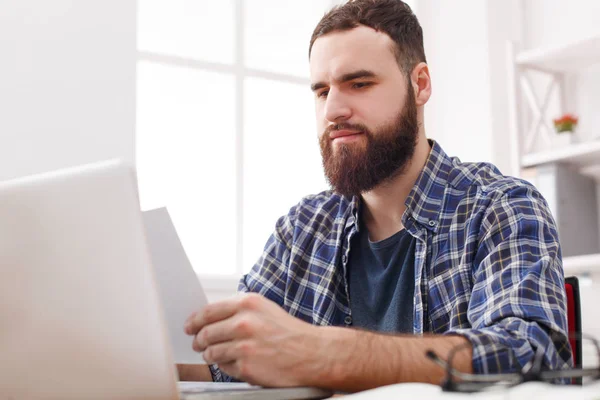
(221, 310)
(228, 352)
(239, 327)
(218, 332)
(219, 353)
(210, 314)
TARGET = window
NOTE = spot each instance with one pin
(226, 133)
(282, 162)
(186, 156)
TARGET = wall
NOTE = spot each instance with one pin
(67, 83)
(458, 114)
(504, 23)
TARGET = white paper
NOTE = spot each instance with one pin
(529, 390)
(180, 291)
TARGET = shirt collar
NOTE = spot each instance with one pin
(425, 201)
(426, 198)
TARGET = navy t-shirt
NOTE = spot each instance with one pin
(381, 280)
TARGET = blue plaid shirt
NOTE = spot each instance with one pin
(487, 263)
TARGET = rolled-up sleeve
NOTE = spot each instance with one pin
(518, 304)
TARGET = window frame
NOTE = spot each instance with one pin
(228, 283)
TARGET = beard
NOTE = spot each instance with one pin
(353, 169)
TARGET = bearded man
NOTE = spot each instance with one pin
(411, 250)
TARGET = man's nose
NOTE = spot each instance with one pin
(337, 108)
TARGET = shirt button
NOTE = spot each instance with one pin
(344, 259)
(431, 222)
(348, 320)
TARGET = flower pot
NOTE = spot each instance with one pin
(562, 139)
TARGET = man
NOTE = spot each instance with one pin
(413, 249)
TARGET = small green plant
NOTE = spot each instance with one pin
(566, 123)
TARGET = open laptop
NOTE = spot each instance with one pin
(81, 315)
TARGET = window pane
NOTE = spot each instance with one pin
(200, 29)
(186, 158)
(277, 33)
(282, 162)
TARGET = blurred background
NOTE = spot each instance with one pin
(211, 101)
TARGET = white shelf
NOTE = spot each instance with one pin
(585, 155)
(592, 171)
(572, 56)
(581, 264)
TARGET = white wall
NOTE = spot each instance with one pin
(504, 23)
(458, 114)
(555, 21)
(465, 43)
(67, 83)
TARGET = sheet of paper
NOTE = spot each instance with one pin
(529, 390)
(180, 291)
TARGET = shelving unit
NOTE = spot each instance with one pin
(580, 264)
(567, 57)
(555, 63)
(593, 171)
(582, 155)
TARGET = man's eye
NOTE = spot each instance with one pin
(323, 93)
(360, 85)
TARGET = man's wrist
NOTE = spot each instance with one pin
(338, 346)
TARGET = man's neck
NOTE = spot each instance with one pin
(384, 206)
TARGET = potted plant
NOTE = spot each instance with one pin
(565, 127)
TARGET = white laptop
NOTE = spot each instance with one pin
(81, 315)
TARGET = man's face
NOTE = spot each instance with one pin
(366, 112)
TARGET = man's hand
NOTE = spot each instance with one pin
(255, 340)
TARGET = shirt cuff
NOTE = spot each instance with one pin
(490, 354)
(220, 376)
(217, 375)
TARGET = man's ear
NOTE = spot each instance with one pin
(421, 83)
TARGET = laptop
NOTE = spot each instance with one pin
(81, 314)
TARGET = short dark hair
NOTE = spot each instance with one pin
(393, 17)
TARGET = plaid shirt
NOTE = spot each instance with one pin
(487, 263)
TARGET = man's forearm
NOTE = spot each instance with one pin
(359, 360)
(194, 372)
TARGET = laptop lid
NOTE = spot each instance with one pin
(80, 313)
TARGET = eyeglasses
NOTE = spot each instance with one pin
(456, 381)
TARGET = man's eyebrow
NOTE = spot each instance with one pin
(362, 73)
(317, 86)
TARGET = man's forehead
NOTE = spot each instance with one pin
(342, 52)
(360, 36)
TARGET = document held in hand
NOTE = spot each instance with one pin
(179, 288)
